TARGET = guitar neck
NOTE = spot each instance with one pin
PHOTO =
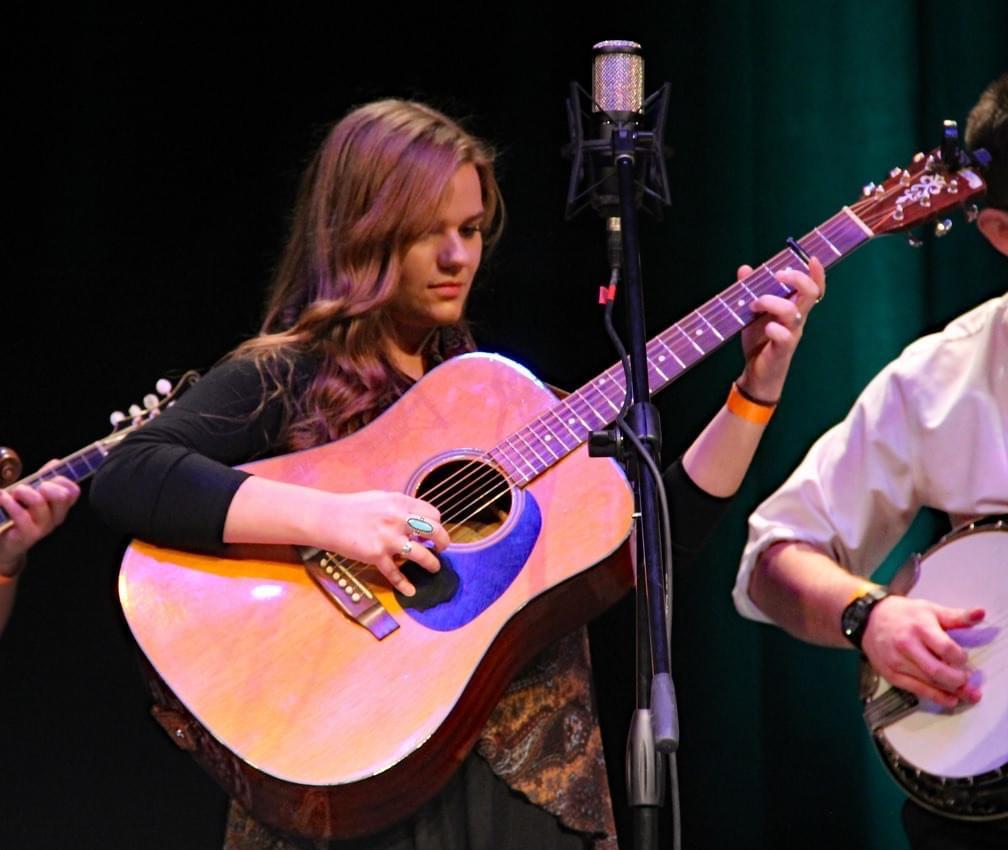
(533, 449)
(80, 465)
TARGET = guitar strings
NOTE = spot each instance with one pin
(464, 484)
(716, 307)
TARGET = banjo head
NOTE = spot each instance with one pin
(956, 761)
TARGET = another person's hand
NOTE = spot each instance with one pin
(769, 343)
(34, 513)
(906, 641)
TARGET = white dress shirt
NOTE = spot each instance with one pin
(930, 430)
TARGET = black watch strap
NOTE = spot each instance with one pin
(854, 619)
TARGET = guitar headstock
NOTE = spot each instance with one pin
(137, 416)
(926, 189)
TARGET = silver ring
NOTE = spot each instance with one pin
(798, 318)
(420, 526)
(406, 548)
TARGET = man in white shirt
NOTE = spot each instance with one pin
(931, 430)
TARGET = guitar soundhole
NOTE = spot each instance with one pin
(473, 497)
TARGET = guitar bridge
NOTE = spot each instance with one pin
(353, 596)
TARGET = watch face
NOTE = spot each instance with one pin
(853, 616)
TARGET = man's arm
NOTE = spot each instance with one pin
(805, 592)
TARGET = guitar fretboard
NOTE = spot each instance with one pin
(530, 451)
(78, 466)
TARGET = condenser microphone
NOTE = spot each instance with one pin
(617, 100)
(618, 80)
(616, 107)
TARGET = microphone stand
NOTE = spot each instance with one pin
(654, 730)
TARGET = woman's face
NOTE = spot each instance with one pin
(438, 269)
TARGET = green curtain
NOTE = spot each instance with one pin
(783, 111)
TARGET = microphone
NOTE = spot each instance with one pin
(617, 80)
(617, 99)
(616, 107)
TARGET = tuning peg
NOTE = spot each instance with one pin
(971, 212)
(867, 189)
(117, 417)
(134, 411)
(942, 227)
(950, 145)
(163, 386)
(150, 401)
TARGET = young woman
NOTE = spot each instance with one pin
(393, 218)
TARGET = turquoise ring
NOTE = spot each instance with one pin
(420, 526)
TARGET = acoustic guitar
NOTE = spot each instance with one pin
(330, 706)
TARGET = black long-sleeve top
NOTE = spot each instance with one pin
(172, 481)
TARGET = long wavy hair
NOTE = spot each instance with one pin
(372, 189)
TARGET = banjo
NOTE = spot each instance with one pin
(953, 761)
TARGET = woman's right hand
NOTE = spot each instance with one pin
(371, 527)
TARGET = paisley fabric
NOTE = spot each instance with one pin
(543, 739)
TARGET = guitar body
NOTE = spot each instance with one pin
(314, 724)
(954, 762)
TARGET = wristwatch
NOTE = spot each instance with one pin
(854, 619)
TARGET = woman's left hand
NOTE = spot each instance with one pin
(769, 343)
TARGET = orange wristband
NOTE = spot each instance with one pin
(747, 409)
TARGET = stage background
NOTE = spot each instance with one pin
(151, 161)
